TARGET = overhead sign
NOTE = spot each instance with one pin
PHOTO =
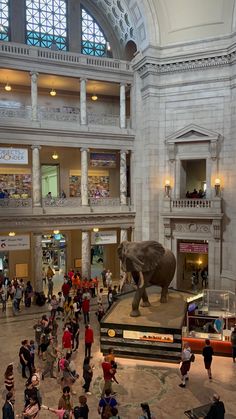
(193, 247)
(15, 243)
(13, 155)
(104, 237)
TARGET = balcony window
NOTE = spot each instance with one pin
(46, 23)
(4, 20)
(193, 178)
(93, 39)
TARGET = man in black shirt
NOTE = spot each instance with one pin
(8, 407)
(217, 409)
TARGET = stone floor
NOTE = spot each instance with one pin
(139, 381)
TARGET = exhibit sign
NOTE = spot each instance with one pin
(21, 242)
(193, 247)
(104, 237)
(9, 155)
(148, 336)
(103, 160)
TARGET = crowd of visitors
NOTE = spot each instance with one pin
(196, 194)
(51, 356)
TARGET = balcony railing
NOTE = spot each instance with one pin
(60, 115)
(16, 203)
(192, 206)
(61, 202)
(45, 55)
(113, 202)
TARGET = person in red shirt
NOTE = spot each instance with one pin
(65, 289)
(67, 340)
(85, 309)
(88, 340)
(71, 273)
(109, 371)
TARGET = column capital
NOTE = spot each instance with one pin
(123, 83)
(34, 76)
(124, 151)
(34, 146)
(83, 79)
(84, 149)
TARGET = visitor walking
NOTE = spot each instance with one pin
(87, 375)
(51, 356)
(81, 411)
(67, 340)
(31, 411)
(207, 354)
(65, 401)
(25, 357)
(88, 340)
(146, 413)
(105, 405)
(186, 363)
(9, 378)
(85, 309)
(8, 407)
(233, 342)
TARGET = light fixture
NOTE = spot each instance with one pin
(7, 87)
(96, 229)
(55, 156)
(108, 46)
(94, 97)
(56, 231)
(167, 188)
(53, 92)
(217, 187)
(12, 234)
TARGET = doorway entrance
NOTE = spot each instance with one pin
(192, 265)
(4, 264)
(97, 260)
(50, 179)
(54, 251)
(193, 178)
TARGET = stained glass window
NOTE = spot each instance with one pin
(4, 20)
(46, 23)
(93, 39)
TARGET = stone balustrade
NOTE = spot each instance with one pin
(61, 202)
(113, 202)
(45, 55)
(16, 203)
(194, 206)
(60, 115)
(191, 203)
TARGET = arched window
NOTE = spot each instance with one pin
(46, 23)
(4, 20)
(93, 39)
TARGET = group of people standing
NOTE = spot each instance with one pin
(16, 291)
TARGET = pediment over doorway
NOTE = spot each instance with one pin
(191, 133)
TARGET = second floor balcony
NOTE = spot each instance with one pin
(192, 207)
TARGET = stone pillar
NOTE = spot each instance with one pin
(86, 254)
(123, 177)
(83, 104)
(37, 262)
(36, 176)
(84, 175)
(122, 106)
(17, 20)
(74, 28)
(123, 235)
(34, 95)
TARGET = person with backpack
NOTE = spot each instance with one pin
(106, 404)
(186, 357)
(81, 411)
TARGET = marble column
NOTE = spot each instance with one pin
(36, 176)
(34, 95)
(37, 262)
(123, 177)
(122, 106)
(84, 175)
(86, 254)
(123, 235)
(83, 102)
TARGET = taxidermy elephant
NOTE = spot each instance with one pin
(149, 264)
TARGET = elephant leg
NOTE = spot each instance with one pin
(164, 294)
(135, 304)
(145, 299)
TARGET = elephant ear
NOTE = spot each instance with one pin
(142, 256)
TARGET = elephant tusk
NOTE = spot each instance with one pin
(141, 279)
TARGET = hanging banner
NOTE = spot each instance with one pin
(103, 160)
(104, 237)
(13, 155)
(15, 243)
(193, 247)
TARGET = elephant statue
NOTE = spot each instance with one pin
(149, 264)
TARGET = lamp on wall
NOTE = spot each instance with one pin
(167, 188)
(96, 229)
(53, 92)
(55, 156)
(94, 97)
(11, 234)
(217, 187)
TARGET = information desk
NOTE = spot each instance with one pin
(219, 347)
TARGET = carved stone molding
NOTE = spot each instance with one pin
(187, 65)
(192, 228)
(167, 227)
(216, 224)
(171, 149)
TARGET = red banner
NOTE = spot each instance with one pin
(193, 247)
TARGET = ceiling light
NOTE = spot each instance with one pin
(56, 231)
(96, 229)
(53, 92)
(12, 234)
(55, 156)
(7, 87)
(94, 97)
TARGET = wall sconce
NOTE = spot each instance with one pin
(96, 229)
(167, 188)
(55, 156)
(94, 97)
(11, 234)
(217, 187)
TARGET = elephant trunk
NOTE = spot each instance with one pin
(137, 263)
